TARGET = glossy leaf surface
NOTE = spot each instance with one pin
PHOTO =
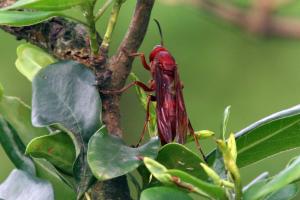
(279, 181)
(163, 193)
(183, 180)
(266, 137)
(20, 185)
(45, 5)
(31, 60)
(64, 93)
(71, 100)
(18, 115)
(57, 148)
(14, 147)
(24, 18)
(110, 157)
(177, 156)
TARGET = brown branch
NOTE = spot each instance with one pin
(259, 19)
(119, 65)
(112, 75)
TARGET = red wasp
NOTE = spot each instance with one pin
(172, 119)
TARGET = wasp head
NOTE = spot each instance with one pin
(155, 51)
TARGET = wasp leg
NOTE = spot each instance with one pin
(137, 83)
(196, 141)
(149, 99)
(143, 59)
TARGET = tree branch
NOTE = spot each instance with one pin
(112, 75)
(259, 19)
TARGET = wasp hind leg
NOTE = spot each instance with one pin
(149, 99)
(196, 141)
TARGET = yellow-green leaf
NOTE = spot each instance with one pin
(31, 59)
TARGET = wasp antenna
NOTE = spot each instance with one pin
(160, 32)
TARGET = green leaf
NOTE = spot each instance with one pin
(218, 165)
(14, 147)
(198, 186)
(106, 163)
(24, 18)
(45, 5)
(71, 100)
(158, 171)
(285, 177)
(177, 156)
(18, 115)
(21, 185)
(45, 170)
(182, 179)
(269, 136)
(286, 193)
(57, 148)
(31, 60)
(225, 121)
(163, 193)
(142, 95)
(64, 93)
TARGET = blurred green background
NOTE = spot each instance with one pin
(219, 65)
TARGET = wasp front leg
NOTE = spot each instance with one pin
(143, 59)
(135, 83)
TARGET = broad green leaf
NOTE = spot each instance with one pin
(158, 171)
(64, 93)
(286, 193)
(21, 185)
(71, 100)
(47, 172)
(259, 178)
(110, 157)
(182, 179)
(24, 18)
(57, 148)
(177, 156)
(163, 193)
(282, 179)
(225, 121)
(31, 60)
(18, 115)
(218, 164)
(253, 189)
(152, 125)
(45, 5)
(269, 136)
(14, 147)
(197, 185)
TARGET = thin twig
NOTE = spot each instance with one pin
(102, 10)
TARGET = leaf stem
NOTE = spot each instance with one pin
(88, 9)
(102, 10)
(111, 24)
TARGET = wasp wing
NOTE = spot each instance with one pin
(181, 114)
(164, 106)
